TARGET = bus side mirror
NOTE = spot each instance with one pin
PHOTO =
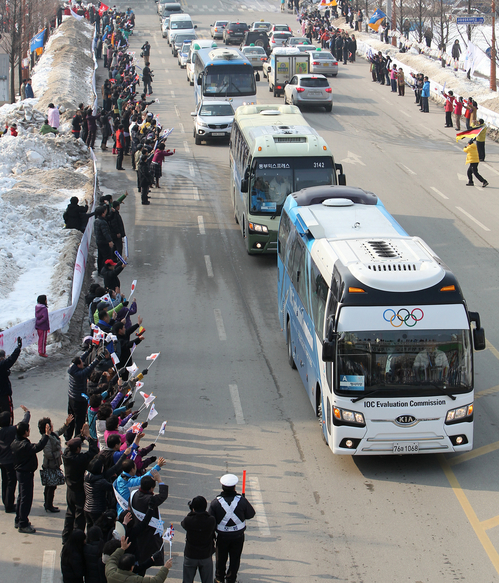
(479, 341)
(200, 79)
(244, 185)
(195, 26)
(342, 179)
(328, 349)
(257, 76)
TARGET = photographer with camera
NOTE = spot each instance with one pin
(6, 363)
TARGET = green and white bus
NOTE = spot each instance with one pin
(273, 152)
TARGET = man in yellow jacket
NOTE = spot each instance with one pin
(472, 159)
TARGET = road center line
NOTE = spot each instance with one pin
(489, 167)
(186, 147)
(201, 226)
(191, 169)
(220, 325)
(173, 94)
(473, 219)
(48, 566)
(405, 113)
(439, 193)
(160, 52)
(177, 111)
(163, 60)
(236, 401)
(209, 268)
(257, 502)
(169, 82)
(181, 126)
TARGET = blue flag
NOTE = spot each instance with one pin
(37, 41)
(376, 19)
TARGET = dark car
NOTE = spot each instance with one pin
(257, 38)
(234, 32)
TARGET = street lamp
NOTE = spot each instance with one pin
(493, 84)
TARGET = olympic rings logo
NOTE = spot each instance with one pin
(403, 316)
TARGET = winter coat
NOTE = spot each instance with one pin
(75, 217)
(7, 436)
(5, 365)
(143, 174)
(115, 575)
(29, 91)
(47, 129)
(73, 568)
(456, 51)
(149, 542)
(458, 107)
(130, 310)
(52, 452)
(53, 117)
(42, 317)
(471, 154)
(426, 89)
(75, 465)
(449, 103)
(78, 379)
(96, 488)
(146, 75)
(243, 511)
(200, 528)
(124, 345)
(76, 124)
(24, 453)
(111, 279)
(94, 567)
(102, 232)
(116, 225)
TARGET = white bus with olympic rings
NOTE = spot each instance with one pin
(376, 325)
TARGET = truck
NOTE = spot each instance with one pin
(284, 63)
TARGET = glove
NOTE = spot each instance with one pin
(152, 446)
(144, 372)
(19, 342)
(145, 424)
(125, 303)
(135, 415)
(152, 459)
(100, 356)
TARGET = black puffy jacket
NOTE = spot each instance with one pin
(102, 232)
(24, 453)
(5, 365)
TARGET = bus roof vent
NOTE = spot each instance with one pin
(382, 249)
(290, 140)
(224, 55)
(270, 112)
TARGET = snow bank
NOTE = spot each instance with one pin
(38, 176)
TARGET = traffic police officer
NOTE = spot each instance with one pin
(231, 510)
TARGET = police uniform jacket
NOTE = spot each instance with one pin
(243, 511)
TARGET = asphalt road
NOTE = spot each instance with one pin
(222, 380)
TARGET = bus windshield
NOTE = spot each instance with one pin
(229, 81)
(275, 178)
(396, 363)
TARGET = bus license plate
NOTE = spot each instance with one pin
(406, 447)
(218, 134)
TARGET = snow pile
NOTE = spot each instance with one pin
(38, 176)
(63, 75)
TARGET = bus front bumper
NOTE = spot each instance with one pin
(260, 243)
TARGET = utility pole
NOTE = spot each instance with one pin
(394, 22)
(493, 83)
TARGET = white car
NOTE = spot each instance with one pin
(261, 25)
(312, 90)
(212, 121)
(255, 55)
(323, 62)
(279, 39)
(165, 25)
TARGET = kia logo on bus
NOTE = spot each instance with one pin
(406, 420)
(403, 316)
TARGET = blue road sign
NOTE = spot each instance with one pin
(470, 20)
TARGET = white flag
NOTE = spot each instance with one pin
(152, 413)
(132, 291)
(163, 428)
(132, 369)
(148, 399)
(153, 356)
(138, 385)
(115, 358)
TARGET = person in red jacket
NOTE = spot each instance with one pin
(120, 147)
(42, 324)
(13, 130)
(458, 112)
(449, 107)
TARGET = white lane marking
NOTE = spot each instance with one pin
(191, 169)
(202, 230)
(181, 126)
(186, 147)
(177, 111)
(473, 219)
(167, 71)
(405, 113)
(209, 268)
(160, 52)
(439, 193)
(489, 167)
(48, 566)
(408, 170)
(163, 61)
(169, 82)
(173, 94)
(257, 502)
(220, 325)
(236, 401)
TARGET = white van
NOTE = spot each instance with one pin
(179, 23)
(195, 46)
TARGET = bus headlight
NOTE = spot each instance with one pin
(343, 417)
(256, 228)
(459, 415)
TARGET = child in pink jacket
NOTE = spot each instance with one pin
(42, 324)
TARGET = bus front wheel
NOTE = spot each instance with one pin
(290, 346)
